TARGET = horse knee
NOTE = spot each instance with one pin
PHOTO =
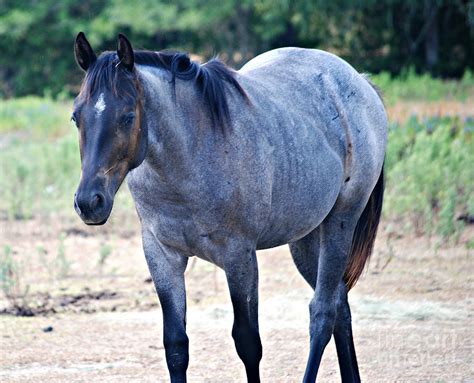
(343, 312)
(322, 321)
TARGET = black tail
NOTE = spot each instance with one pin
(364, 235)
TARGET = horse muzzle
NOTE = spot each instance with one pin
(92, 206)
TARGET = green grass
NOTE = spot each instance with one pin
(409, 86)
(35, 117)
(38, 176)
(428, 167)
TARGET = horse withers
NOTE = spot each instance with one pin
(221, 163)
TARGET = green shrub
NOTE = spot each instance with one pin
(11, 284)
(430, 173)
(8, 269)
(410, 86)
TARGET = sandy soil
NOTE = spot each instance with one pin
(412, 312)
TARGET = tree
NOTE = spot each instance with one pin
(36, 36)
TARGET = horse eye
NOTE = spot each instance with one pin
(128, 118)
(74, 118)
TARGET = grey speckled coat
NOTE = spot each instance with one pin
(299, 162)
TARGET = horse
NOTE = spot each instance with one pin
(221, 163)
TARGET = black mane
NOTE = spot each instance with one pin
(211, 77)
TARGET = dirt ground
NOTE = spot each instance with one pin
(97, 317)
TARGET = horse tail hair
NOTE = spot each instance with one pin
(364, 234)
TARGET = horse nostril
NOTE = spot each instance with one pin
(97, 202)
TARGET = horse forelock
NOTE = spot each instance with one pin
(106, 74)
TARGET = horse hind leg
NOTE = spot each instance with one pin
(335, 245)
(305, 253)
(343, 338)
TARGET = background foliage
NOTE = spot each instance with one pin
(36, 37)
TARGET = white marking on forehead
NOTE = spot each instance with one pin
(99, 105)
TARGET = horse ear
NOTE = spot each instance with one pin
(125, 52)
(85, 56)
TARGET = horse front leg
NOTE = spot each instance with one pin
(167, 271)
(242, 277)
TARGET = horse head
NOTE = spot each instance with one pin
(108, 113)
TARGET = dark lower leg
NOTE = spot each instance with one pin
(343, 339)
(322, 319)
(242, 277)
(249, 348)
(176, 345)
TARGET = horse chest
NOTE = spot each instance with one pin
(201, 225)
(206, 234)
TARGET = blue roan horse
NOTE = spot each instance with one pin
(221, 163)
